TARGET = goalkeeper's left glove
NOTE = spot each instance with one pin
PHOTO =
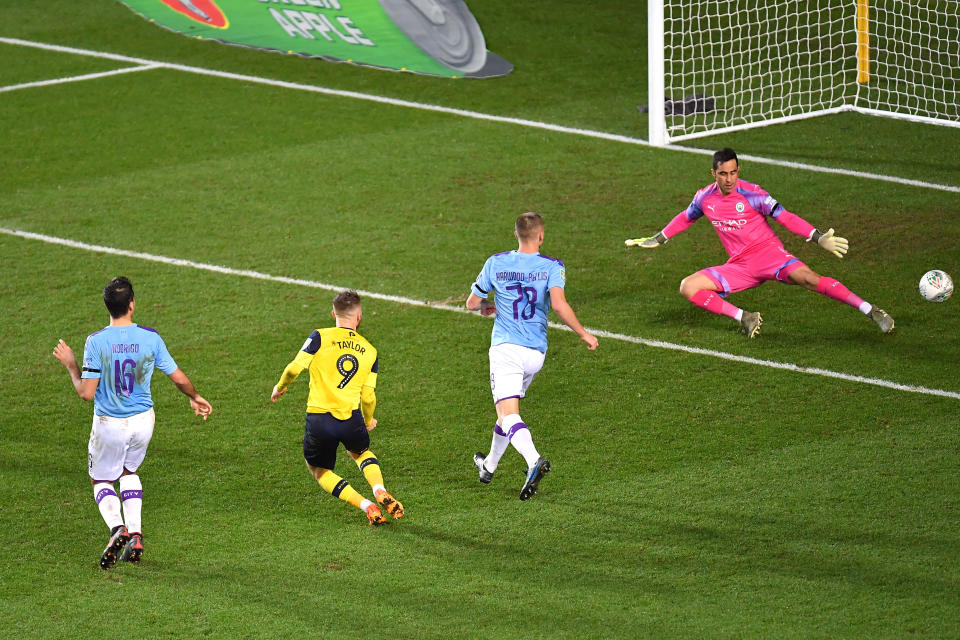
(647, 243)
(834, 244)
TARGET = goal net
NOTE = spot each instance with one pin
(723, 65)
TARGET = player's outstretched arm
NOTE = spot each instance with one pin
(85, 388)
(679, 224)
(652, 242)
(558, 300)
(290, 373)
(198, 403)
(834, 244)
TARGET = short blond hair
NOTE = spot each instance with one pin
(528, 225)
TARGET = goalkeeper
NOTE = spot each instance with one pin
(740, 213)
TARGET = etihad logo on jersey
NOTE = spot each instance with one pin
(729, 225)
(203, 11)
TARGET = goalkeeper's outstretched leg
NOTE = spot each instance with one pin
(702, 292)
(835, 289)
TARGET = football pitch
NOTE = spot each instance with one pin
(802, 484)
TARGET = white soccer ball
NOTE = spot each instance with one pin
(935, 286)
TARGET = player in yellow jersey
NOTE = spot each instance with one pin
(343, 376)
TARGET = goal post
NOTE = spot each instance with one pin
(655, 52)
(863, 41)
(725, 65)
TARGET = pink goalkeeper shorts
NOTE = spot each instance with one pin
(753, 268)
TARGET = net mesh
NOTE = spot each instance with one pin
(916, 59)
(729, 63)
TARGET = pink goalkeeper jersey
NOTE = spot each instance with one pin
(740, 218)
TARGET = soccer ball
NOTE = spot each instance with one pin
(935, 286)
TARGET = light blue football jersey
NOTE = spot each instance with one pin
(124, 358)
(520, 284)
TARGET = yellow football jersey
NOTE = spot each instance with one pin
(341, 364)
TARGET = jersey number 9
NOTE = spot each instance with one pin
(347, 373)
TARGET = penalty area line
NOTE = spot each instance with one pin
(88, 76)
(659, 344)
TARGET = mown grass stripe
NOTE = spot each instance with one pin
(602, 135)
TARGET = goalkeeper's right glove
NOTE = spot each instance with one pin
(647, 243)
(834, 244)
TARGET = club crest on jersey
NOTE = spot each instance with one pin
(740, 207)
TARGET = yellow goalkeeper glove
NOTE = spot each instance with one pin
(647, 243)
(834, 244)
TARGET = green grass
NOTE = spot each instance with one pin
(691, 497)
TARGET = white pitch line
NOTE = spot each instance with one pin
(786, 366)
(246, 273)
(601, 135)
(88, 76)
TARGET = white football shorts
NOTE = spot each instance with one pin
(118, 443)
(512, 369)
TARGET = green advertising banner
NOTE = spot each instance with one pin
(435, 37)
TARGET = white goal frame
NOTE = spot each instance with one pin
(868, 68)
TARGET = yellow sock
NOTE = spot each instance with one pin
(340, 488)
(370, 467)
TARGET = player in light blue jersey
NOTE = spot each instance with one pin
(118, 363)
(524, 284)
(123, 358)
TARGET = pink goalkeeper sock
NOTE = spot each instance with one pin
(835, 289)
(712, 302)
